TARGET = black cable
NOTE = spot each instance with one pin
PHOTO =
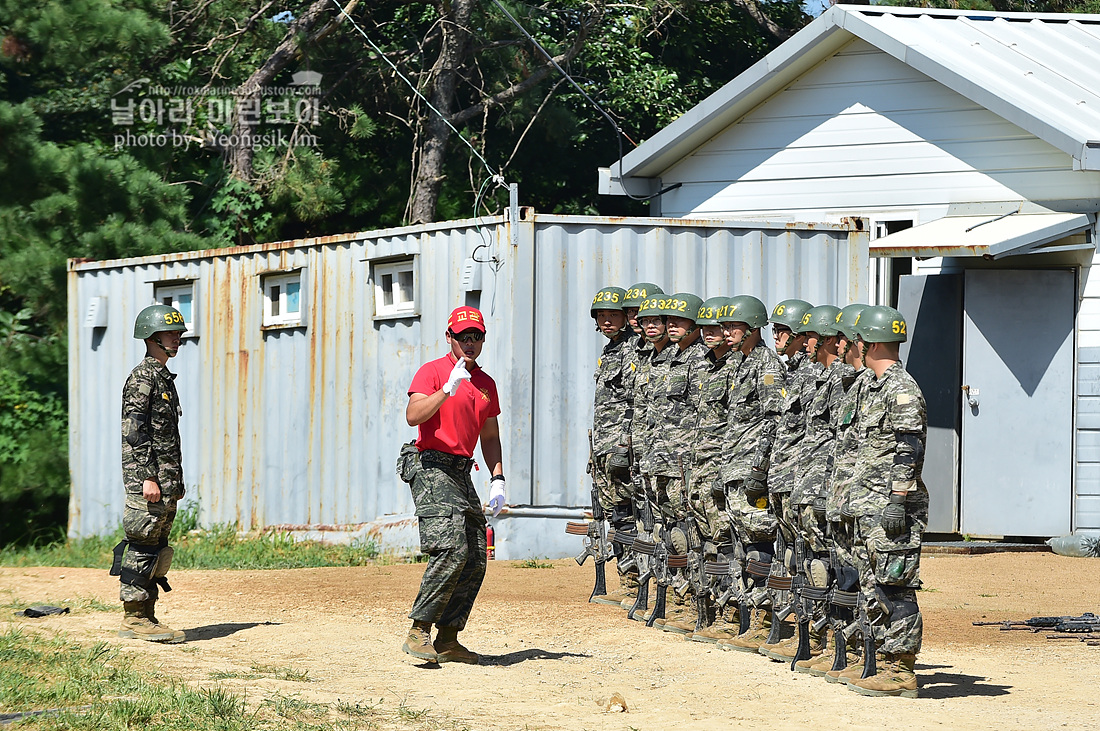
(618, 130)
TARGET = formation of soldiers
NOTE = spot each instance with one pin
(778, 494)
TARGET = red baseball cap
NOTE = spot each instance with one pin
(466, 318)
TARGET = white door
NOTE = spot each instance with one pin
(1017, 414)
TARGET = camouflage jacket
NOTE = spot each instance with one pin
(753, 414)
(799, 390)
(673, 410)
(612, 406)
(648, 359)
(150, 429)
(892, 428)
(846, 400)
(716, 378)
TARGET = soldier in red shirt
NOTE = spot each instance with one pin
(454, 403)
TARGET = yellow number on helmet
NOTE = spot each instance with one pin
(896, 326)
(780, 309)
(806, 319)
(168, 318)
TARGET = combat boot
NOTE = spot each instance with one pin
(790, 642)
(895, 677)
(719, 630)
(756, 635)
(449, 649)
(817, 665)
(419, 642)
(151, 613)
(785, 651)
(136, 625)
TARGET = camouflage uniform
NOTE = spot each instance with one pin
(611, 417)
(892, 426)
(672, 417)
(452, 533)
(755, 405)
(706, 497)
(816, 452)
(844, 401)
(789, 433)
(150, 451)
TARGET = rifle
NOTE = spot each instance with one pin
(843, 602)
(644, 559)
(799, 586)
(696, 575)
(596, 542)
(778, 586)
(1082, 636)
(728, 575)
(869, 660)
(1038, 624)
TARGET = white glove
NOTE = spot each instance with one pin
(496, 496)
(458, 375)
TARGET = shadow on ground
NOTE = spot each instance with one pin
(957, 685)
(217, 631)
(534, 653)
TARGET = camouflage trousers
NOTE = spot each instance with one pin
(452, 534)
(889, 575)
(145, 524)
(707, 503)
(754, 522)
(610, 490)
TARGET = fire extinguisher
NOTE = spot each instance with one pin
(490, 548)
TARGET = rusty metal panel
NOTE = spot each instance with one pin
(301, 425)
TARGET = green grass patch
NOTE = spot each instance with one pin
(221, 547)
(76, 604)
(264, 671)
(96, 686)
(534, 563)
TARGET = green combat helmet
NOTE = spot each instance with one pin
(710, 310)
(747, 309)
(881, 324)
(651, 307)
(790, 313)
(156, 319)
(637, 293)
(681, 304)
(846, 320)
(608, 298)
(820, 319)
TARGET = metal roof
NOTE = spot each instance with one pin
(1038, 71)
(992, 237)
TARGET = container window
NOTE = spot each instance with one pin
(182, 297)
(283, 299)
(395, 289)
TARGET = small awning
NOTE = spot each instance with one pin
(992, 237)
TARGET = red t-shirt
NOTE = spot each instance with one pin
(454, 429)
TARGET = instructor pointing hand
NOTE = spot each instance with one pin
(454, 404)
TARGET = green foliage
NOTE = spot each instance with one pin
(219, 548)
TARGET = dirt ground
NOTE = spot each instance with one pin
(551, 661)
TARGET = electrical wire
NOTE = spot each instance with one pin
(619, 134)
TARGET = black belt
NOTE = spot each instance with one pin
(445, 459)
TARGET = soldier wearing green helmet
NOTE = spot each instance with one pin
(787, 319)
(609, 461)
(706, 496)
(152, 475)
(756, 400)
(636, 294)
(888, 503)
(675, 396)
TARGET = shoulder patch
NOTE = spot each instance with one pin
(144, 389)
(903, 399)
(769, 379)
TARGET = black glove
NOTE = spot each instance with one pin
(618, 462)
(819, 508)
(755, 485)
(893, 515)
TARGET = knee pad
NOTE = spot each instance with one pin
(819, 574)
(847, 578)
(761, 551)
(896, 604)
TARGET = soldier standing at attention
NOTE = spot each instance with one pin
(611, 417)
(152, 473)
(889, 501)
(455, 404)
(755, 405)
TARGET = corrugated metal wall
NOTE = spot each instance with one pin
(302, 424)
